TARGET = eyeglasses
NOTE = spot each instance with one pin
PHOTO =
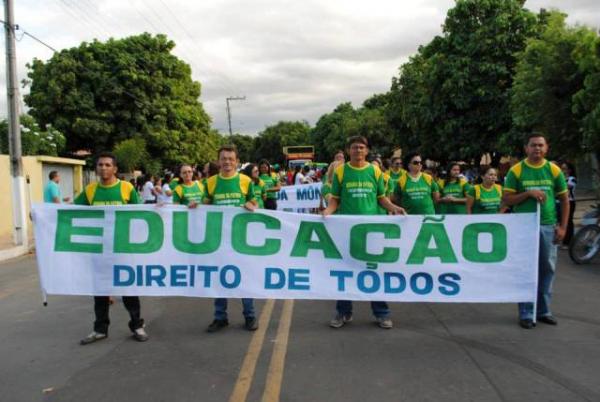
(416, 163)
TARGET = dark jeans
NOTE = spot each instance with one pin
(221, 308)
(271, 203)
(570, 228)
(101, 307)
(380, 309)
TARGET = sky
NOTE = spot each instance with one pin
(292, 60)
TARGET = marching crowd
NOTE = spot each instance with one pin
(357, 186)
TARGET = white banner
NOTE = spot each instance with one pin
(230, 252)
(304, 196)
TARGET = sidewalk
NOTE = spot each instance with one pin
(9, 250)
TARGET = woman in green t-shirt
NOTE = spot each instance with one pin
(326, 187)
(260, 188)
(453, 191)
(416, 191)
(188, 192)
(486, 198)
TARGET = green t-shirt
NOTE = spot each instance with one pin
(270, 181)
(358, 189)
(184, 194)
(416, 195)
(120, 193)
(229, 191)
(174, 183)
(260, 193)
(546, 177)
(325, 189)
(394, 177)
(457, 189)
(485, 200)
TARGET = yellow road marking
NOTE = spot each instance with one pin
(275, 373)
(244, 380)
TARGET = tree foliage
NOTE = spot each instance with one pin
(451, 100)
(100, 94)
(270, 142)
(131, 154)
(35, 140)
(245, 145)
(333, 129)
(586, 102)
(548, 77)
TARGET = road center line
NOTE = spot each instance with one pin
(277, 365)
(244, 380)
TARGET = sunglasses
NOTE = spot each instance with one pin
(416, 163)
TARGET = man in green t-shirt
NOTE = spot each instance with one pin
(111, 191)
(229, 188)
(357, 189)
(531, 182)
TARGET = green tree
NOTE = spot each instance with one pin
(547, 78)
(333, 129)
(586, 102)
(451, 100)
(131, 154)
(245, 145)
(35, 140)
(99, 94)
(270, 142)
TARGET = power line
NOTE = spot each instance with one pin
(85, 15)
(190, 36)
(227, 85)
(80, 65)
(71, 14)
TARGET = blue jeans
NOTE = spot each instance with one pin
(380, 309)
(221, 308)
(546, 269)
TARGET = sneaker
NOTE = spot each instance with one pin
(526, 323)
(385, 322)
(340, 320)
(140, 335)
(217, 325)
(251, 324)
(93, 337)
(548, 319)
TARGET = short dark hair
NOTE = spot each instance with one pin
(228, 148)
(535, 134)
(53, 174)
(106, 155)
(357, 139)
(213, 168)
(570, 168)
(408, 157)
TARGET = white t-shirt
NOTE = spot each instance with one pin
(147, 191)
(164, 198)
(299, 179)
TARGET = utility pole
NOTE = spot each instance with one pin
(232, 98)
(14, 129)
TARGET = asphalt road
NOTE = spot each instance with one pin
(436, 352)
